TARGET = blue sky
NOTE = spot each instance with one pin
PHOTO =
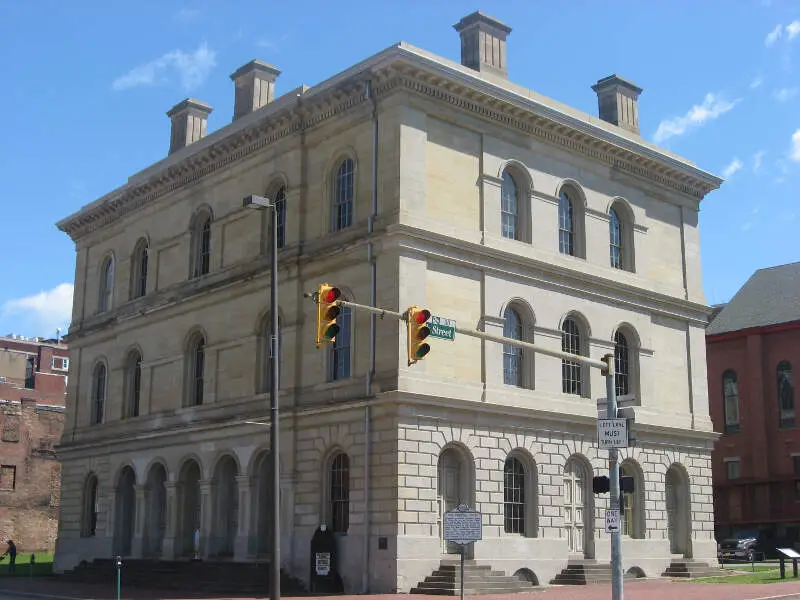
(86, 86)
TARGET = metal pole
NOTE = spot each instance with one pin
(463, 547)
(274, 443)
(613, 475)
(119, 575)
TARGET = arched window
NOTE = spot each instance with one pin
(280, 207)
(267, 352)
(615, 238)
(622, 365)
(342, 201)
(571, 371)
(339, 360)
(632, 514)
(730, 401)
(339, 493)
(139, 270)
(99, 386)
(89, 516)
(201, 245)
(786, 394)
(134, 384)
(514, 494)
(512, 355)
(509, 207)
(196, 363)
(106, 285)
(566, 225)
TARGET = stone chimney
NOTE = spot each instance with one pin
(255, 87)
(188, 123)
(618, 102)
(483, 43)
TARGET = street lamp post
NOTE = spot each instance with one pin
(259, 202)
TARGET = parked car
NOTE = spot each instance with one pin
(750, 545)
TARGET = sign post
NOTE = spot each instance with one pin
(463, 525)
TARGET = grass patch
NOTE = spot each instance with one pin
(761, 575)
(43, 565)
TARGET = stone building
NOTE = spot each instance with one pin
(33, 384)
(753, 346)
(494, 206)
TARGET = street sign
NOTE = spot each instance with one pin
(612, 521)
(463, 525)
(442, 328)
(612, 433)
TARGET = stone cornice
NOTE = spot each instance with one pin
(399, 67)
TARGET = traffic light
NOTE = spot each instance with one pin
(417, 332)
(601, 484)
(327, 311)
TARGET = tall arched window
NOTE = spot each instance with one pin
(339, 493)
(633, 521)
(280, 207)
(571, 371)
(89, 516)
(509, 207)
(730, 401)
(566, 225)
(615, 239)
(106, 285)
(512, 355)
(196, 359)
(339, 361)
(622, 365)
(514, 496)
(786, 394)
(201, 244)
(99, 381)
(134, 384)
(139, 270)
(343, 189)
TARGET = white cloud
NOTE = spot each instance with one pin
(756, 83)
(45, 311)
(784, 94)
(794, 152)
(793, 29)
(757, 158)
(191, 67)
(187, 14)
(712, 107)
(773, 36)
(734, 166)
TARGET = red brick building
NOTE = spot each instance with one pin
(33, 378)
(753, 351)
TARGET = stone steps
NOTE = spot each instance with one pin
(478, 579)
(689, 569)
(583, 572)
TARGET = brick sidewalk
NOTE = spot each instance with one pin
(656, 589)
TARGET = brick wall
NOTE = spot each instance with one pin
(30, 475)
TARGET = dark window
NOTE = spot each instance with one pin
(30, 373)
(732, 469)
(89, 525)
(514, 492)
(512, 355)
(509, 206)
(730, 399)
(343, 195)
(340, 349)
(622, 365)
(98, 394)
(786, 395)
(615, 234)
(8, 478)
(280, 206)
(205, 247)
(566, 226)
(198, 358)
(11, 429)
(796, 464)
(340, 493)
(106, 285)
(135, 383)
(571, 371)
(140, 271)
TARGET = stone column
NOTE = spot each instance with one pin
(240, 545)
(137, 545)
(168, 545)
(206, 489)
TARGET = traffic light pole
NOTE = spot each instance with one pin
(613, 475)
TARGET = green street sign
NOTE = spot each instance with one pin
(444, 329)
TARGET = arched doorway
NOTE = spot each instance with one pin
(676, 490)
(125, 512)
(226, 508)
(578, 523)
(189, 503)
(156, 511)
(455, 487)
(261, 541)
(90, 506)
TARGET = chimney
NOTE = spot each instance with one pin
(255, 87)
(188, 123)
(618, 102)
(483, 43)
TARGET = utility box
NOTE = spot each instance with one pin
(324, 563)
